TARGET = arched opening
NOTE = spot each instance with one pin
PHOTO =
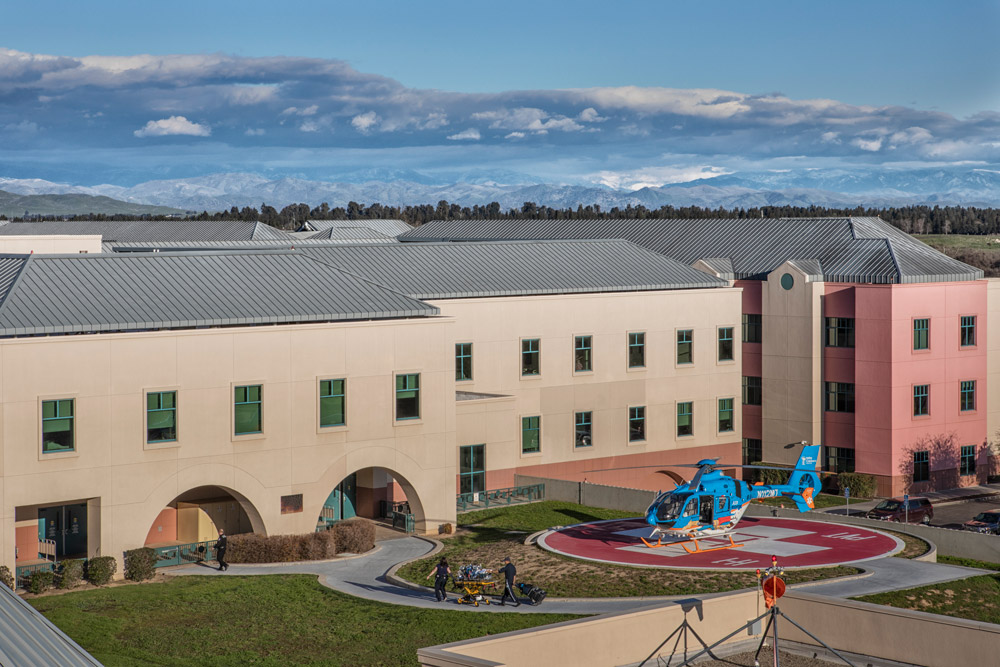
(373, 493)
(198, 514)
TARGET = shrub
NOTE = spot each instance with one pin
(861, 485)
(251, 548)
(140, 564)
(6, 578)
(40, 581)
(101, 569)
(770, 476)
(356, 536)
(318, 546)
(70, 573)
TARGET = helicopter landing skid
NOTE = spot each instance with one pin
(697, 547)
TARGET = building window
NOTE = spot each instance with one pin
(967, 464)
(685, 418)
(725, 415)
(463, 362)
(531, 356)
(332, 403)
(472, 469)
(839, 459)
(751, 390)
(637, 424)
(161, 416)
(840, 332)
(685, 346)
(531, 428)
(967, 395)
(584, 429)
(839, 397)
(921, 400)
(637, 350)
(582, 359)
(408, 396)
(968, 330)
(725, 344)
(921, 334)
(921, 466)
(753, 451)
(247, 409)
(57, 426)
(751, 328)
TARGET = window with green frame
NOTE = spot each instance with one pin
(726, 344)
(408, 396)
(726, 423)
(752, 326)
(472, 469)
(531, 356)
(921, 466)
(161, 416)
(584, 429)
(637, 349)
(921, 400)
(58, 425)
(247, 409)
(967, 396)
(752, 392)
(637, 424)
(583, 359)
(685, 346)
(968, 330)
(839, 397)
(921, 334)
(685, 418)
(463, 362)
(967, 463)
(332, 403)
(531, 431)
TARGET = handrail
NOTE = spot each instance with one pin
(505, 496)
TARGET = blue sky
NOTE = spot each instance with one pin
(566, 91)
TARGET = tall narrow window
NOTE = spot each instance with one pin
(637, 350)
(531, 356)
(751, 390)
(840, 332)
(725, 344)
(753, 451)
(839, 459)
(584, 429)
(637, 424)
(921, 399)
(531, 430)
(472, 469)
(725, 415)
(685, 346)
(967, 464)
(408, 396)
(463, 362)
(247, 411)
(968, 330)
(332, 403)
(921, 466)
(751, 328)
(967, 395)
(58, 426)
(685, 418)
(582, 354)
(921, 334)
(161, 416)
(839, 397)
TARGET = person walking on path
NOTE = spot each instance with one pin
(509, 572)
(441, 573)
(220, 551)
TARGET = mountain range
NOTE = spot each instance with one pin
(835, 188)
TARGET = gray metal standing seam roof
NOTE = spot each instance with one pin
(865, 250)
(215, 246)
(351, 234)
(512, 268)
(28, 639)
(58, 294)
(151, 230)
(384, 227)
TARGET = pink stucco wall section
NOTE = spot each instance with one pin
(752, 415)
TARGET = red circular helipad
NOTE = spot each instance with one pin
(796, 542)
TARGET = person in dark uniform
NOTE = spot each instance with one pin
(509, 572)
(441, 573)
(220, 551)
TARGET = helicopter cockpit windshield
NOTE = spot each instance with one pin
(670, 508)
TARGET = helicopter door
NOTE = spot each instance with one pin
(691, 509)
(706, 511)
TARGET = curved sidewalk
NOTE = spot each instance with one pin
(364, 577)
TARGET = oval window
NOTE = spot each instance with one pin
(787, 281)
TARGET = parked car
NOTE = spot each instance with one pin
(914, 510)
(984, 522)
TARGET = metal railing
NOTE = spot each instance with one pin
(23, 572)
(403, 521)
(387, 507)
(494, 497)
(182, 554)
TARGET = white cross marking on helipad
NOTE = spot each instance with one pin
(768, 540)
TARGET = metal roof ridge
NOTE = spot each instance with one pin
(895, 261)
(368, 280)
(13, 283)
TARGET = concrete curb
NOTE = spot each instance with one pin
(533, 538)
(391, 577)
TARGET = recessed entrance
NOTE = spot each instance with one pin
(197, 515)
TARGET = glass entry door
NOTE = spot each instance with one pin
(67, 526)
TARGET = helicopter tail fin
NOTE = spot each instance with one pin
(804, 480)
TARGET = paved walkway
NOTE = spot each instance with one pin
(365, 577)
(946, 497)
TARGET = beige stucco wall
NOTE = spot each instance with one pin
(50, 244)
(131, 481)
(496, 327)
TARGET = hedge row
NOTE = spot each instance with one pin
(6, 578)
(356, 536)
(97, 571)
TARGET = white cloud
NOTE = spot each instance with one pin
(255, 132)
(830, 137)
(171, 126)
(25, 127)
(654, 177)
(514, 135)
(911, 135)
(868, 144)
(364, 122)
(471, 134)
(527, 118)
(295, 111)
(435, 121)
(590, 115)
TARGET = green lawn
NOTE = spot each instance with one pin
(822, 501)
(488, 536)
(264, 620)
(960, 241)
(976, 598)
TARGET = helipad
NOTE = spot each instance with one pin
(796, 542)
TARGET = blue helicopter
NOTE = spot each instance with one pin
(711, 504)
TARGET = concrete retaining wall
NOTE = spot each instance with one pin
(595, 495)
